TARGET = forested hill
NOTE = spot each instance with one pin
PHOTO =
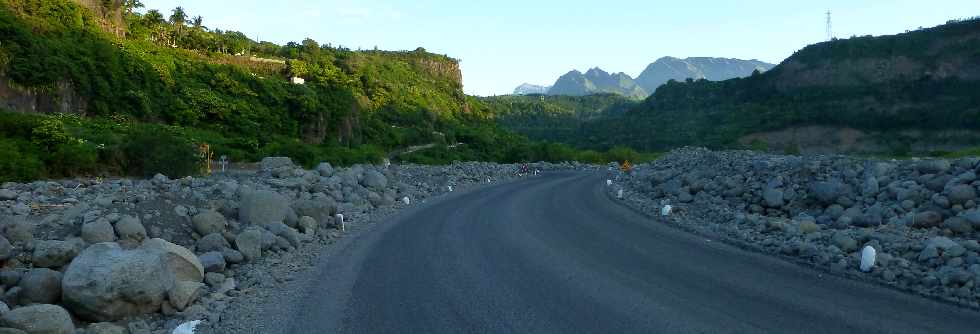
(916, 91)
(106, 90)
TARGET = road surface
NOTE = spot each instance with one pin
(555, 254)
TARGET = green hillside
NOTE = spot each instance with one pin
(901, 90)
(554, 117)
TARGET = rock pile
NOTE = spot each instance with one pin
(920, 216)
(144, 256)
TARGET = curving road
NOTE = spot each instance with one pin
(554, 254)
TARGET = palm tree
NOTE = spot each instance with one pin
(197, 22)
(153, 18)
(177, 19)
(133, 4)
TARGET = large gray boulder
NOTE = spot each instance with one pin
(212, 242)
(249, 243)
(17, 229)
(98, 231)
(325, 169)
(773, 197)
(54, 253)
(107, 283)
(321, 210)
(39, 319)
(40, 286)
(270, 164)
(129, 227)
(181, 261)
(263, 207)
(932, 166)
(960, 194)
(826, 192)
(374, 180)
(7, 195)
(208, 222)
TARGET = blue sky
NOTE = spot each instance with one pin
(502, 44)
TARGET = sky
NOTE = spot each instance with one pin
(501, 44)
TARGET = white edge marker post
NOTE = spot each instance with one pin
(665, 211)
(608, 183)
(619, 194)
(406, 200)
(343, 225)
(187, 327)
(450, 188)
(867, 258)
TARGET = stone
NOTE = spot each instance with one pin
(208, 222)
(107, 283)
(927, 219)
(249, 243)
(325, 169)
(40, 286)
(269, 164)
(291, 235)
(6, 249)
(263, 208)
(129, 227)
(10, 277)
(18, 230)
(826, 192)
(214, 279)
(773, 197)
(232, 256)
(932, 166)
(868, 255)
(213, 262)
(212, 242)
(808, 227)
(187, 327)
(105, 328)
(960, 194)
(843, 241)
(98, 231)
(958, 225)
(7, 195)
(54, 253)
(374, 180)
(184, 293)
(307, 225)
(181, 261)
(320, 210)
(39, 319)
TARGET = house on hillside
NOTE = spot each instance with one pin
(297, 80)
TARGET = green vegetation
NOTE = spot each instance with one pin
(829, 84)
(150, 95)
(555, 118)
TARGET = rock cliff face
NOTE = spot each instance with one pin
(596, 81)
(714, 69)
(111, 13)
(59, 99)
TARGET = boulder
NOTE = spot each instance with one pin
(826, 192)
(129, 227)
(213, 262)
(208, 222)
(212, 242)
(6, 249)
(773, 197)
(40, 286)
(39, 319)
(232, 256)
(843, 241)
(958, 225)
(932, 166)
(98, 231)
(269, 164)
(320, 210)
(7, 195)
(263, 207)
(307, 225)
(374, 180)
(182, 262)
(960, 194)
(184, 293)
(54, 253)
(18, 230)
(249, 243)
(325, 169)
(107, 283)
(926, 219)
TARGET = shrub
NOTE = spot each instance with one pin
(150, 150)
(72, 159)
(18, 162)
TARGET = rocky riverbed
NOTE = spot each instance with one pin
(145, 256)
(920, 216)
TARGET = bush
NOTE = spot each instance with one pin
(18, 162)
(72, 159)
(150, 150)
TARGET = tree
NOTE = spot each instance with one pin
(198, 22)
(152, 18)
(130, 5)
(177, 19)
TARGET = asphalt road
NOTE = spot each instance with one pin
(554, 254)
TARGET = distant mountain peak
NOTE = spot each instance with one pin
(528, 89)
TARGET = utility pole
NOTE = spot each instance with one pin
(830, 30)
